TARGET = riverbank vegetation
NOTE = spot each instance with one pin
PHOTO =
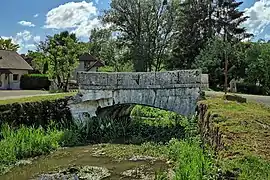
(245, 129)
(159, 134)
(159, 138)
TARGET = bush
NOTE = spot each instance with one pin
(36, 114)
(35, 82)
(247, 88)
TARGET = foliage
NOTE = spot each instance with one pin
(36, 113)
(105, 46)
(59, 55)
(145, 27)
(248, 88)
(192, 162)
(34, 82)
(210, 60)
(200, 21)
(7, 44)
(258, 58)
(39, 61)
(26, 142)
(126, 131)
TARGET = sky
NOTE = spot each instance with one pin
(27, 22)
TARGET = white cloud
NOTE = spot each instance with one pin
(259, 15)
(36, 15)
(21, 38)
(26, 23)
(85, 27)
(30, 46)
(25, 35)
(97, 1)
(267, 36)
(36, 39)
(80, 17)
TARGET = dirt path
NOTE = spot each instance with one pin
(250, 98)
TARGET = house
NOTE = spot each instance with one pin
(12, 67)
(87, 62)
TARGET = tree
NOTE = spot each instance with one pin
(145, 26)
(229, 19)
(39, 61)
(210, 60)
(192, 31)
(257, 71)
(201, 21)
(6, 44)
(61, 52)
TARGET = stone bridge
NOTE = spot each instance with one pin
(115, 94)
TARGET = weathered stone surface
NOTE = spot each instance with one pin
(176, 91)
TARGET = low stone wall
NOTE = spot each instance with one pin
(210, 133)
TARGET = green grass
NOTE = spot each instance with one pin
(248, 168)
(187, 157)
(25, 142)
(37, 98)
(245, 129)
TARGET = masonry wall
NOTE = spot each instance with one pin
(176, 91)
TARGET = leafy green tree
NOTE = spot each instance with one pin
(39, 61)
(191, 33)
(210, 60)
(201, 21)
(145, 26)
(61, 52)
(106, 47)
(6, 44)
(258, 71)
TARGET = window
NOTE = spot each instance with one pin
(15, 77)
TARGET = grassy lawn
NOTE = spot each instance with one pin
(36, 98)
(246, 136)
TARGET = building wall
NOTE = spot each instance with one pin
(10, 82)
(81, 68)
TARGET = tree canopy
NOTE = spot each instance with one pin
(7, 44)
(58, 56)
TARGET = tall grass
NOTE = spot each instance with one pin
(26, 142)
(192, 162)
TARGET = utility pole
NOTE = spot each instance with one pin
(225, 50)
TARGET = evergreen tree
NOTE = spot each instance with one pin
(202, 20)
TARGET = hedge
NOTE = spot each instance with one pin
(247, 88)
(36, 114)
(35, 82)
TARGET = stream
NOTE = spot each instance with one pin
(85, 163)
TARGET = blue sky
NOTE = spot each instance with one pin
(29, 21)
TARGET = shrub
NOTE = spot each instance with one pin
(247, 88)
(35, 82)
(36, 114)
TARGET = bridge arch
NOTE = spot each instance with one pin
(176, 91)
